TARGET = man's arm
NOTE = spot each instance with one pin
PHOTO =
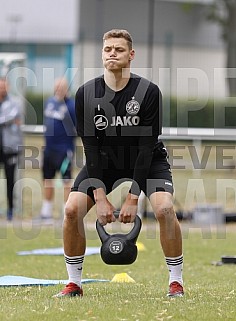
(150, 129)
(9, 113)
(93, 157)
(147, 140)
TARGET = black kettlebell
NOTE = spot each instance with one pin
(119, 249)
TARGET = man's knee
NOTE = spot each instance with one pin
(165, 212)
(163, 209)
(77, 206)
(162, 204)
(71, 211)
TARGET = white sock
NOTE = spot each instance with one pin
(46, 210)
(74, 266)
(175, 267)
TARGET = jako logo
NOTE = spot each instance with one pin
(100, 122)
(125, 121)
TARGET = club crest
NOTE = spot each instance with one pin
(132, 107)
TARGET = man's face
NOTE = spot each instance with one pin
(3, 89)
(116, 54)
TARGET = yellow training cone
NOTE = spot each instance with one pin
(140, 246)
(122, 277)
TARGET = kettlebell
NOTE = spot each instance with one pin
(119, 249)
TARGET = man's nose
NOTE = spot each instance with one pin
(113, 52)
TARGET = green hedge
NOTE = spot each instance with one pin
(210, 114)
(34, 109)
(176, 112)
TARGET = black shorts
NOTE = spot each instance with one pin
(159, 178)
(55, 161)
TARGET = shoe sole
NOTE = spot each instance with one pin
(67, 295)
(176, 295)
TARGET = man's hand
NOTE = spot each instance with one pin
(105, 209)
(129, 209)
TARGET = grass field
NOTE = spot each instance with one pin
(210, 291)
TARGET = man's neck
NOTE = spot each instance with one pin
(116, 80)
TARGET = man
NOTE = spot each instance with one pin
(60, 132)
(119, 121)
(10, 140)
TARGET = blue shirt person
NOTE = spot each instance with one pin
(59, 136)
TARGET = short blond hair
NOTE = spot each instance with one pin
(119, 33)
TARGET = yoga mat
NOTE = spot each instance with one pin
(57, 251)
(14, 280)
(60, 251)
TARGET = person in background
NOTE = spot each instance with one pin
(119, 119)
(59, 135)
(11, 140)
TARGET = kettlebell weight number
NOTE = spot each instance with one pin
(115, 247)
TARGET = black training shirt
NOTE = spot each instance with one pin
(119, 129)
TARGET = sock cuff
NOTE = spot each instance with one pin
(174, 260)
(74, 259)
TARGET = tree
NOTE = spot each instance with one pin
(224, 13)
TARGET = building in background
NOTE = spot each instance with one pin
(46, 31)
(176, 45)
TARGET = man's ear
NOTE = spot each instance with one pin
(132, 54)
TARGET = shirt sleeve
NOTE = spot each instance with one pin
(151, 127)
(86, 130)
(10, 111)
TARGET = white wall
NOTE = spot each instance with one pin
(194, 72)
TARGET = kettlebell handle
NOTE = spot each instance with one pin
(101, 232)
(116, 213)
(131, 236)
(134, 233)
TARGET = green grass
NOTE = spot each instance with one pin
(210, 290)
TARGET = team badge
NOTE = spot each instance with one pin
(101, 122)
(132, 107)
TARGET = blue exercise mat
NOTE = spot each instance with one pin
(57, 251)
(14, 280)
